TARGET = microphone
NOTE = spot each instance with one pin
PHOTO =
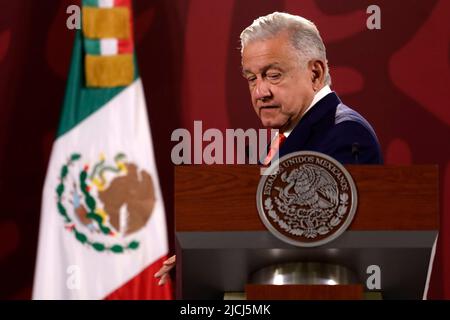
(355, 152)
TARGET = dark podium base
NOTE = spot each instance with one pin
(216, 262)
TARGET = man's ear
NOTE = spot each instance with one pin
(317, 68)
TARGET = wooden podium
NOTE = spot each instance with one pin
(221, 241)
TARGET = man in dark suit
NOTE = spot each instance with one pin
(284, 62)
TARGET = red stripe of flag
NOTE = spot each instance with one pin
(125, 46)
(122, 3)
(144, 286)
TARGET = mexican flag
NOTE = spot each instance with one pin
(103, 230)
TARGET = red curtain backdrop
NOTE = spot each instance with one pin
(397, 77)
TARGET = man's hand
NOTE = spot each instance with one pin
(163, 273)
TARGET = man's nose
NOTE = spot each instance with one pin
(262, 90)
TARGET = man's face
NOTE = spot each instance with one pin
(281, 89)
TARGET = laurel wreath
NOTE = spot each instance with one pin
(91, 204)
(313, 232)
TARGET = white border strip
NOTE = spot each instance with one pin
(430, 268)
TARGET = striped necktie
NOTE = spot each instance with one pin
(274, 147)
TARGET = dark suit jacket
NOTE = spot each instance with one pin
(332, 128)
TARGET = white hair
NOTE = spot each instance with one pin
(304, 36)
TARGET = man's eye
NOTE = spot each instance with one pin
(251, 79)
(273, 76)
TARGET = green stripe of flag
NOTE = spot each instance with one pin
(79, 100)
(90, 3)
(92, 46)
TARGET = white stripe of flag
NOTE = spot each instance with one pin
(106, 3)
(109, 46)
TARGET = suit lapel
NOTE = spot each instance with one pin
(299, 137)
